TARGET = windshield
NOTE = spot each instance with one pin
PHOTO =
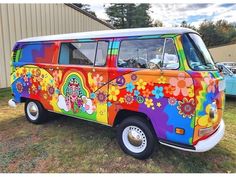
(196, 53)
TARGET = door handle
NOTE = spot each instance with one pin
(114, 83)
(101, 83)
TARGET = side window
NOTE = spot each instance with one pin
(37, 53)
(140, 53)
(101, 53)
(84, 53)
(78, 53)
(170, 59)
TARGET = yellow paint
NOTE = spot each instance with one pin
(102, 113)
(205, 121)
(113, 92)
(53, 102)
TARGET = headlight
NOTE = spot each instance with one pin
(213, 110)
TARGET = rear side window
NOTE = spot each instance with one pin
(141, 52)
(37, 53)
(101, 53)
(84, 53)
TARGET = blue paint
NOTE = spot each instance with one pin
(177, 121)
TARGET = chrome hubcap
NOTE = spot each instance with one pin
(134, 139)
(32, 111)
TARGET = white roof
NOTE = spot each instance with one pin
(111, 33)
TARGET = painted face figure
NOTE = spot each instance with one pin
(73, 94)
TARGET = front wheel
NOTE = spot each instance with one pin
(34, 112)
(135, 137)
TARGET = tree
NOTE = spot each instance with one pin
(226, 29)
(85, 7)
(158, 23)
(129, 15)
(116, 14)
(186, 25)
(142, 18)
(218, 33)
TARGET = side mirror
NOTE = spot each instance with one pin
(220, 68)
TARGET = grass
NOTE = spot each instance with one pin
(71, 145)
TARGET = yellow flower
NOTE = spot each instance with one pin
(113, 92)
(43, 85)
(190, 92)
(121, 100)
(158, 104)
(205, 121)
(148, 102)
(205, 74)
(161, 80)
(141, 84)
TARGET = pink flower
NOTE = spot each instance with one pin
(57, 74)
(129, 98)
(181, 84)
(172, 101)
(210, 84)
(19, 87)
(97, 79)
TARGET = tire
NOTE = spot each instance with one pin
(143, 145)
(34, 112)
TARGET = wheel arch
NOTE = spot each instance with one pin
(124, 114)
(25, 99)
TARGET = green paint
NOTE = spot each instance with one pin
(192, 122)
(182, 59)
(168, 35)
(81, 114)
(18, 55)
(216, 74)
(190, 140)
(113, 52)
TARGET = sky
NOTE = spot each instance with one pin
(173, 14)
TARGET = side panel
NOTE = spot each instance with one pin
(209, 96)
(78, 91)
(207, 91)
(25, 75)
(166, 97)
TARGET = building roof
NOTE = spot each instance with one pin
(89, 15)
(112, 33)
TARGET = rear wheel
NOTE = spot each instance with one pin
(135, 137)
(34, 112)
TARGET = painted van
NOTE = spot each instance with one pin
(152, 84)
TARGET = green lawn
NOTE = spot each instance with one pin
(71, 145)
